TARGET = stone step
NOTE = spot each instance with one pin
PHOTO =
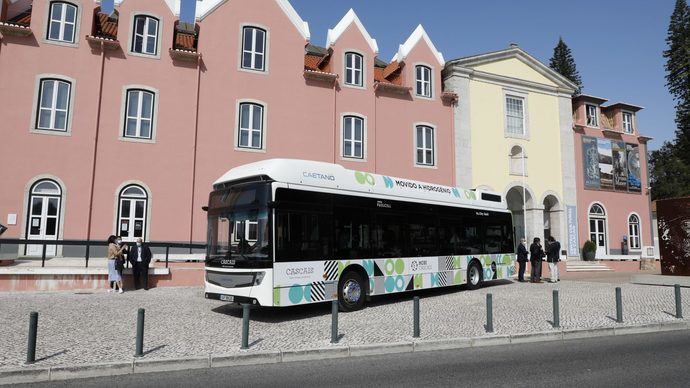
(597, 269)
(587, 266)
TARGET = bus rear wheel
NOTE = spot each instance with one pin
(474, 275)
(351, 291)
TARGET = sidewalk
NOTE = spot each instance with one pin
(77, 328)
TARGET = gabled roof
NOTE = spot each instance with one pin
(349, 18)
(625, 106)
(590, 98)
(515, 52)
(206, 7)
(417, 35)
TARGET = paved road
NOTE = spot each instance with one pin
(623, 361)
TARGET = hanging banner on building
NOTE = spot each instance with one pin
(573, 240)
(634, 180)
(605, 164)
(620, 167)
(590, 160)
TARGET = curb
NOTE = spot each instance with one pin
(31, 374)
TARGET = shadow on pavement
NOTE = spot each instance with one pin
(292, 313)
(53, 355)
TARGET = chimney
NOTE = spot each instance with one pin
(188, 11)
(513, 45)
(107, 7)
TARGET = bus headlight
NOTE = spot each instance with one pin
(259, 278)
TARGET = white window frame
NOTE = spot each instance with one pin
(138, 115)
(33, 126)
(262, 130)
(62, 22)
(124, 113)
(520, 95)
(133, 34)
(424, 146)
(595, 123)
(633, 237)
(508, 115)
(353, 69)
(252, 51)
(630, 124)
(427, 80)
(147, 210)
(353, 141)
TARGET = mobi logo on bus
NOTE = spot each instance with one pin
(316, 175)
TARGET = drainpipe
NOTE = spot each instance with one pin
(196, 134)
(335, 119)
(95, 144)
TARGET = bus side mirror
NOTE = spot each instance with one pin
(204, 208)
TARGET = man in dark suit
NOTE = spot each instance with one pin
(139, 257)
(522, 259)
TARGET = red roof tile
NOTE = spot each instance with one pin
(22, 19)
(105, 26)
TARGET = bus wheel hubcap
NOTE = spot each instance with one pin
(352, 291)
(474, 276)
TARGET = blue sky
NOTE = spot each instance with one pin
(617, 44)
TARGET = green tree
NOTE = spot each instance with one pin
(670, 165)
(563, 62)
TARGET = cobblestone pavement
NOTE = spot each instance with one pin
(90, 327)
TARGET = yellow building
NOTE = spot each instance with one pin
(513, 135)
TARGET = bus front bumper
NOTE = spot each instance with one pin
(239, 285)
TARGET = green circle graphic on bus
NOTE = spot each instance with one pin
(389, 267)
(296, 293)
(363, 177)
(458, 278)
(399, 266)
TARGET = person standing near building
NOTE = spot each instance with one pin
(139, 257)
(114, 276)
(536, 255)
(553, 256)
(522, 259)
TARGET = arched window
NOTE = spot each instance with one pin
(132, 216)
(353, 137)
(53, 105)
(518, 161)
(43, 215)
(424, 145)
(634, 231)
(139, 113)
(598, 228)
(251, 126)
(253, 48)
(423, 76)
(354, 65)
(63, 22)
(145, 35)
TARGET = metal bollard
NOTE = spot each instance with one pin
(245, 326)
(415, 304)
(139, 351)
(556, 310)
(334, 322)
(489, 314)
(679, 306)
(33, 329)
(619, 306)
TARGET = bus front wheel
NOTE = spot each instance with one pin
(474, 275)
(351, 291)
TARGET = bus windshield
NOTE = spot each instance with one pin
(238, 224)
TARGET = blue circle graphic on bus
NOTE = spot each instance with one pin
(307, 293)
(389, 283)
(400, 283)
(296, 293)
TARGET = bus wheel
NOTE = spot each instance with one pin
(474, 276)
(351, 291)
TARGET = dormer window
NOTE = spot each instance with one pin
(354, 64)
(423, 81)
(145, 35)
(592, 116)
(253, 48)
(628, 122)
(63, 22)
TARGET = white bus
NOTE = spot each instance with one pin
(288, 232)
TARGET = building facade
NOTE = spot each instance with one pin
(118, 122)
(513, 135)
(613, 202)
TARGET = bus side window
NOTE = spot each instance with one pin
(352, 234)
(423, 239)
(389, 240)
(471, 236)
(302, 236)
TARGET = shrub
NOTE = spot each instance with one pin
(589, 250)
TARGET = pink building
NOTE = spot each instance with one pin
(613, 203)
(119, 122)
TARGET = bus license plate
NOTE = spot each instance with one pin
(227, 298)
